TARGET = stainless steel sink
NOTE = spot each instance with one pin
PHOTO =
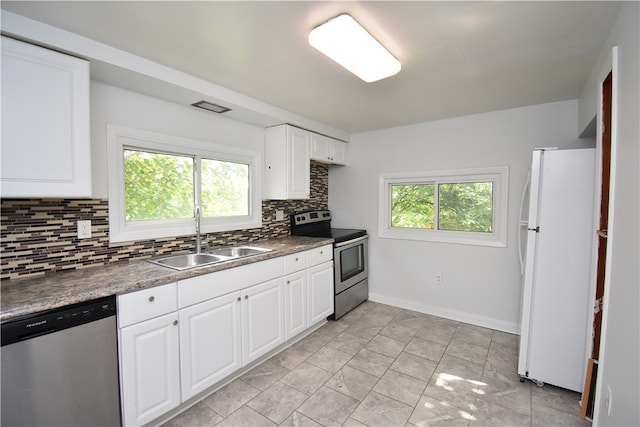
(186, 261)
(238, 251)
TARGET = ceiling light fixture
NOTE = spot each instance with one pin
(210, 106)
(350, 45)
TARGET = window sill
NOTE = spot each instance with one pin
(443, 237)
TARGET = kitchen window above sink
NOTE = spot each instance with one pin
(158, 180)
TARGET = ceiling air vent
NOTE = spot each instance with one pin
(210, 106)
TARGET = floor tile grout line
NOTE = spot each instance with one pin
(381, 376)
(372, 389)
(324, 384)
(332, 336)
(346, 363)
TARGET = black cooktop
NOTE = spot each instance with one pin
(318, 224)
(344, 234)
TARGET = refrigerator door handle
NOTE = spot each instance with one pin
(523, 221)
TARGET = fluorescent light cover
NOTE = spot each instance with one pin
(346, 42)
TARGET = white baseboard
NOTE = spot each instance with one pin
(486, 322)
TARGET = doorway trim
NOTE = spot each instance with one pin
(610, 65)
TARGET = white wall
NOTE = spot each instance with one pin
(620, 351)
(112, 105)
(482, 285)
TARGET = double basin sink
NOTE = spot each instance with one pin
(187, 261)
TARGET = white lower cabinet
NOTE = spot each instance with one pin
(219, 336)
(262, 319)
(308, 289)
(320, 293)
(178, 340)
(210, 344)
(295, 296)
(150, 369)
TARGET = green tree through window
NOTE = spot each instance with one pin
(412, 206)
(225, 188)
(158, 186)
(161, 186)
(466, 206)
(461, 206)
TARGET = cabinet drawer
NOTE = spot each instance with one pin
(295, 262)
(319, 255)
(146, 304)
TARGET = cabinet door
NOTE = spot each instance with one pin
(295, 296)
(298, 179)
(210, 344)
(338, 153)
(320, 292)
(150, 371)
(327, 150)
(45, 123)
(262, 319)
(320, 148)
(287, 168)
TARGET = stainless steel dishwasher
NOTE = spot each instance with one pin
(60, 367)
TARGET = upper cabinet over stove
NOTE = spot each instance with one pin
(288, 152)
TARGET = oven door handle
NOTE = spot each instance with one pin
(351, 242)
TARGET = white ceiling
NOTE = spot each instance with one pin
(457, 57)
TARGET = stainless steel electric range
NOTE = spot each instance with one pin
(350, 263)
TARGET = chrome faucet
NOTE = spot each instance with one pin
(198, 243)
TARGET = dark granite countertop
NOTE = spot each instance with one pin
(20, 297)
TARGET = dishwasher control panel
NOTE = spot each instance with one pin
(27, 327)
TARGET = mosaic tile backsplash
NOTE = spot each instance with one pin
(40, 235)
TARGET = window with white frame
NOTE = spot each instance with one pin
(157, 180)
(466, 206)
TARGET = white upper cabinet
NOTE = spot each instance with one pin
(45, 123)
(328, 150)
(287, 168)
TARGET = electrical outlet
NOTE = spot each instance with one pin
(84, 229)
(279, 215)
(438, 279)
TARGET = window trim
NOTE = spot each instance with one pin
(499, 175)
(119, 138)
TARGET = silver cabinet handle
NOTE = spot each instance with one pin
(175, 322)
(239, 299)
(246, 297)
(152, 298)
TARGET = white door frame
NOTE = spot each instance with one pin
(609, 66)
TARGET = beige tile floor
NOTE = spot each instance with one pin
(384, 366)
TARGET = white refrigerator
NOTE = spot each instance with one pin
(558, 228)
